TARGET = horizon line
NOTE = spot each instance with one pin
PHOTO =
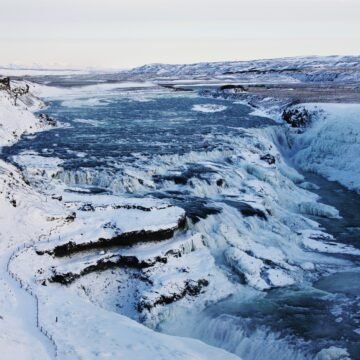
(62, 67)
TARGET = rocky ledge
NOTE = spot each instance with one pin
(141, 256)
(112, 225)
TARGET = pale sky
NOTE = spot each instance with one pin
(126, 33)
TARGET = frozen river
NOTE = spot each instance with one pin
(180, 147)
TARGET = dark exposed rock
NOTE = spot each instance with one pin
(191, 287)
(246, 209)
(233, 87)
(110, 225)
(194, 288)
(91, 190)
(196, 208)
(5, 83)
(262, 71)
(71, 217)
(19, 91)
(105, 264)
(15, 92)
(57, 197)
(122, 239)
(297, 118)
(184, 175)
(177, 179)
(47, 119)
(64, 279)
(134, 207)
(220, 182)
(86, 207)
(270, 159)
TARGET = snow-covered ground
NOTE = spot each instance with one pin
(16, 113)
(40, 324)
(23, 218)
(259, 237)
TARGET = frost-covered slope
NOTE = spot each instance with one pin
(23, 215)
(17, 104)
(23, 218)
(298, 69)
(330, 144)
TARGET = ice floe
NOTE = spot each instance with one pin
(208, 108)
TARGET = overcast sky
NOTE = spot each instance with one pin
(125, 33)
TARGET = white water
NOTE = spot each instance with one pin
(267, 251)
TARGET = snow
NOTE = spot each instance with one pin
(278, 249)
(256, 272)
(285, 70)
(333, 353)
(322, 242)
(208, 108)
(69, 324)
(331, 144)
(247, 265)
(279, 278)
(80, 322)
(321, 210)
(23, 215)
(17, 120)
(19, 337)
(198, 267)
(146, 253)
(269, 189)
(88, 121)
(110, 221)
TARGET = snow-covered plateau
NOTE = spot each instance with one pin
(182, 212)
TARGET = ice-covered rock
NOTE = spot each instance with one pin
(329, 146)
(209, 108)
(139, 257)
(318, 209)
(15, 117)
(322, 242)
(119, 224)
(333, 353)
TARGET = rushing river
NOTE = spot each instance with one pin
(291, 323)
(110, 132)
(123, 128)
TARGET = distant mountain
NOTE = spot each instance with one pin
(313, 68)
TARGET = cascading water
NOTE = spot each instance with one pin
(218, 162)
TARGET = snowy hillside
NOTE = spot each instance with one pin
(298, 69)
(16, 106)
